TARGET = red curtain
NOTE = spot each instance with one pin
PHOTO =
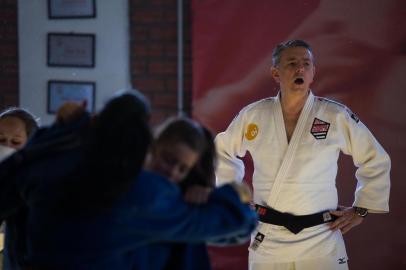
(360, 52)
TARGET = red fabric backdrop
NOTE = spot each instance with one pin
(360, 50)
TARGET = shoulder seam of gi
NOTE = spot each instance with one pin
(257, 104)
(342, 108)
(332, 102)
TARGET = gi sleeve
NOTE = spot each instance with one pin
(230, 147)
(161, 214)
(373, 166)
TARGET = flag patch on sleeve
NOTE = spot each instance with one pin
(319, 129)
(353, 115)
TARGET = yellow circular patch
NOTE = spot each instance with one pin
(252, 132)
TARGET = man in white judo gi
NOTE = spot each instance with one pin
(295, 140)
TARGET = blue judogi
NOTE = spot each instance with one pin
(152, 211)
(45, 143)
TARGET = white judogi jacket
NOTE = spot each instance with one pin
(299, 177)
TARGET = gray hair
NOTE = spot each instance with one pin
(276, 54)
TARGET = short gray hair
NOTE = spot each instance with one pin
(276, 54)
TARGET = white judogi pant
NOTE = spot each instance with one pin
(337, 260)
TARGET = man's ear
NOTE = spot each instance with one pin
(275, 74)
(314, 73)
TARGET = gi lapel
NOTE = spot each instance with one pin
(291, 147)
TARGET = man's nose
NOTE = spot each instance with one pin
(300, 68)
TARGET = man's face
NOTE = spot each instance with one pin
(295, 71)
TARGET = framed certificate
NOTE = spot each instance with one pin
(77, 91)
(70, 50)
(71, 9)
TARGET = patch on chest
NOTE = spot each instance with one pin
(319, 129)
(252, 131)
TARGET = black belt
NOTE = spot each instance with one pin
(291, 222)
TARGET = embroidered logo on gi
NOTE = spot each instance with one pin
(353, 116)
(327, 217)
(252, 132)
(319, 129)
(342, 260)
(257, 241)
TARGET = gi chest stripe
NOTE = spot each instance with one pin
(319, 129)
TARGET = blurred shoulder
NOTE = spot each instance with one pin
(260, 105)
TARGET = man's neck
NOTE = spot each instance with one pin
(292, 102)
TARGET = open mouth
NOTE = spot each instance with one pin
(299, 81)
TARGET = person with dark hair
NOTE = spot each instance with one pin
(91, 206)
(17, 125)
(196, 188)
(73, 159)
(295, 140)
(175, 139)
(115, 142)
(184, 152)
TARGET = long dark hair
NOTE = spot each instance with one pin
(114, 151)
(120, 136)
(203, 173)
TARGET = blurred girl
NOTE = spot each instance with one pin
(184, 152)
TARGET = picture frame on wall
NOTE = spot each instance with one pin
(71, 9)
(60, 91)
(71, 50)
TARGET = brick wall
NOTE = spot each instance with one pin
(8, 54)
(153, 52)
